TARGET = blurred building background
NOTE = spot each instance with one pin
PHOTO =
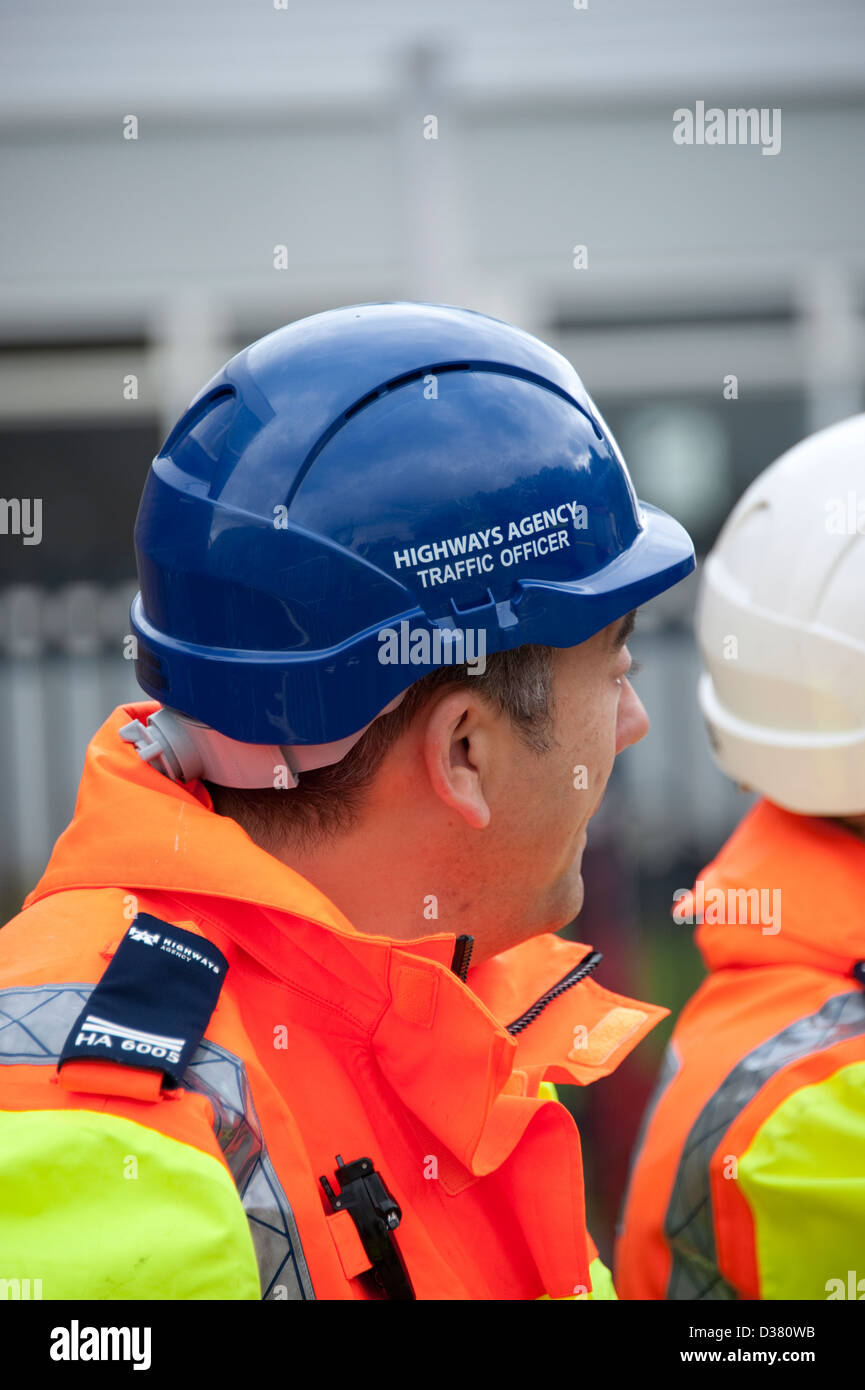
(180, 180)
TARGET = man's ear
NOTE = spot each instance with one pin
(457, 745)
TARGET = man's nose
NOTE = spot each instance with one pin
(633, 721)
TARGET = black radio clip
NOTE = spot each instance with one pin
(376, 1215)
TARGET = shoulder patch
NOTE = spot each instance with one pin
(154, 1002)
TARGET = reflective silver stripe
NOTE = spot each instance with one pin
(221, 1077)
(689, 1226)
(35, 1022)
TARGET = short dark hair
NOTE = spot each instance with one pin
(327, 800)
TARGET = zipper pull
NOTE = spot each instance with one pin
(462, 955)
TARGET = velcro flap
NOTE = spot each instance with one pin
(607, 1036)
(109, 1079)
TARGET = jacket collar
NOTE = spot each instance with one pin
(810, 874)
(134, 829)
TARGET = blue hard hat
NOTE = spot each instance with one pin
(367, 468)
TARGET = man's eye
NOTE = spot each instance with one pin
(634, 667)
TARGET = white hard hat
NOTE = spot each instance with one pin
(781, 627)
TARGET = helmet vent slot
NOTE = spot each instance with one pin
(195, 414)
(403, 381)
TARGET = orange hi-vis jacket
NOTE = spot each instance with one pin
(748, 1180)
(323, 1041)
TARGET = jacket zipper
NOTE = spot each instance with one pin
(579, 972)
(462, 955)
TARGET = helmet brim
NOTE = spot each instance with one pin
(565, 613)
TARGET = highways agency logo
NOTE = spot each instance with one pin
(147, 938)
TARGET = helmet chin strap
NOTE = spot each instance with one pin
(183, 748)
